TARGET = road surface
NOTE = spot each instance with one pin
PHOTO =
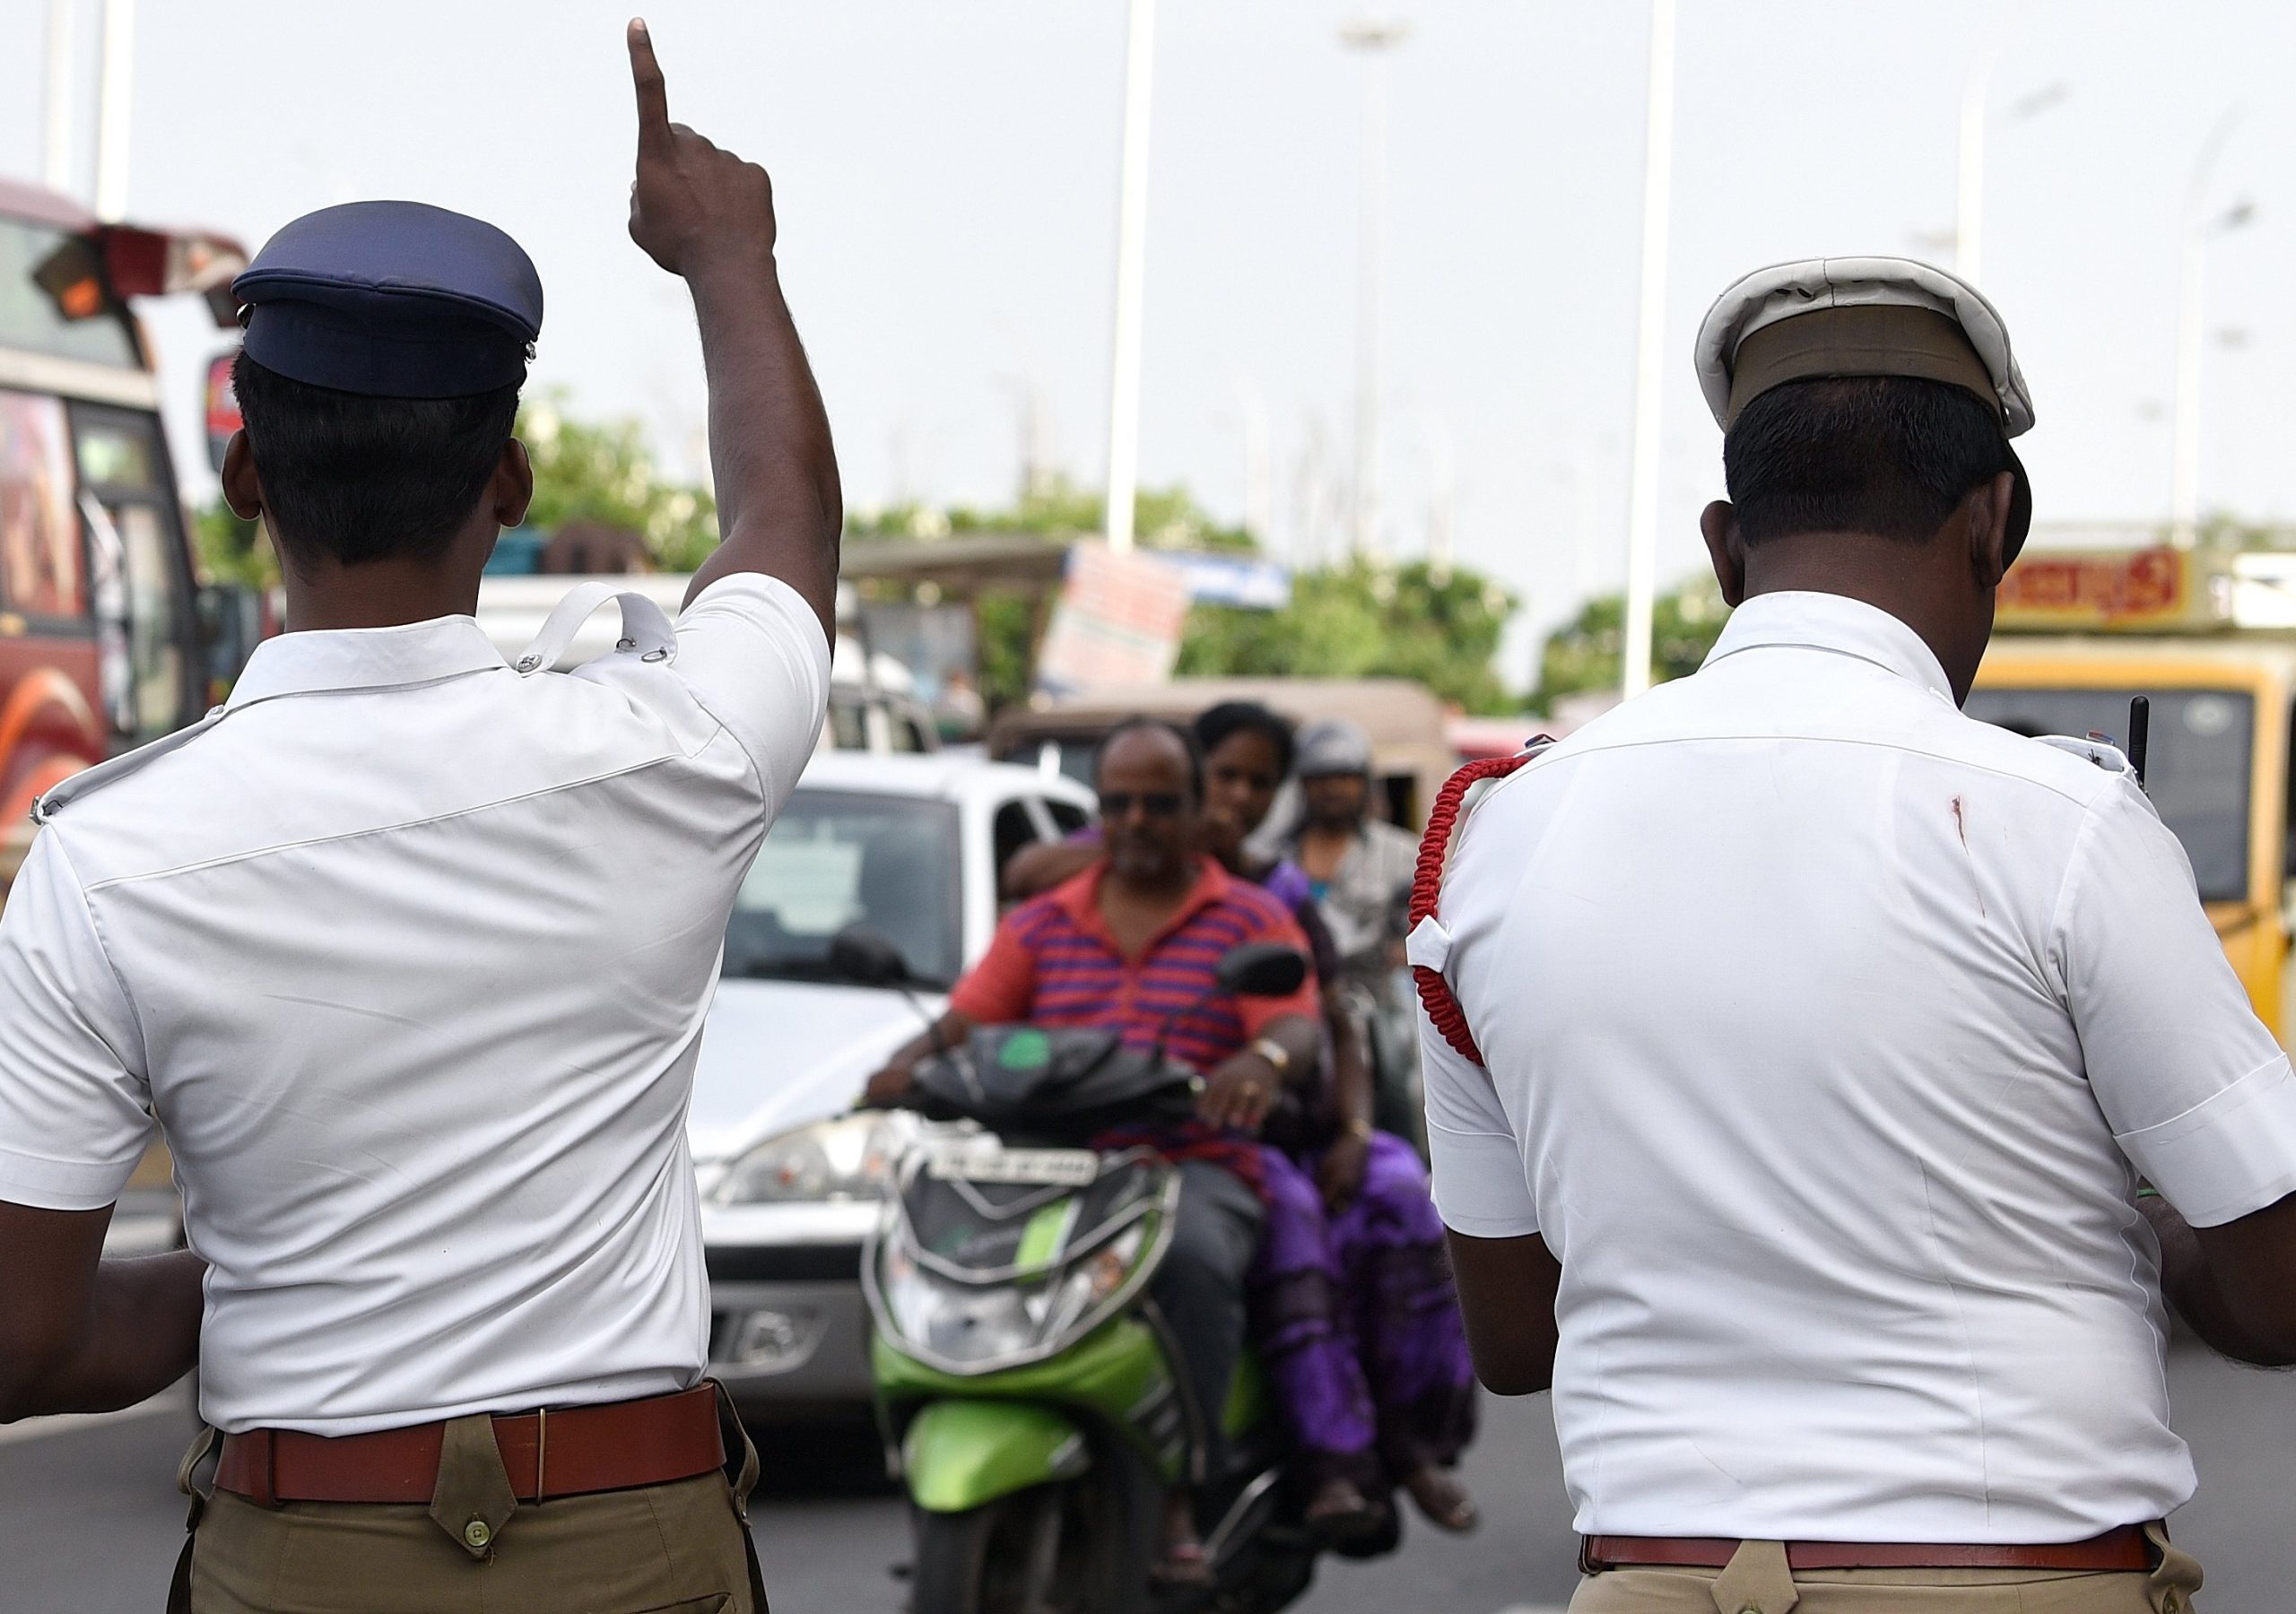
(90, 1519)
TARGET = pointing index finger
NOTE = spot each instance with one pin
(653, 94)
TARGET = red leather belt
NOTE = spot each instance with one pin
(2125, 1550)
(565, 1453)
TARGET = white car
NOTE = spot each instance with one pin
(911, 848)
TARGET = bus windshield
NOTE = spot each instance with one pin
(2196, 772)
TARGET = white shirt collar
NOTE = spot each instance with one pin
(1805, 620)
(336, 659)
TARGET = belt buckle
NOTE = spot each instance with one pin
(541, 1447)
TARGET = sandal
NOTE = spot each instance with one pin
(1340, 1513)
(1443, 1500)
(1184, 1564)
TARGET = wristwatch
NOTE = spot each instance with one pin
(1274, 1052)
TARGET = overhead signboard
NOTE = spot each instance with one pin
(1117, 621)
(1244, 581)
(2067, 590)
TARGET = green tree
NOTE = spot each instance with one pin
(1057, 510)
(601, 471)
(1363, 619)
(1353, 621)
(231, 550)
(1588, 654)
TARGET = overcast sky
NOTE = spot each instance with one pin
(947, 171)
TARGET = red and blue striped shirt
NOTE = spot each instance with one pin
(1053, 963)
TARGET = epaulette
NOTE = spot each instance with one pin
(64, 791)
(2094, 750)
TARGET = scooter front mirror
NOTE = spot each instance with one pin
(1263, 969)
(862, 956)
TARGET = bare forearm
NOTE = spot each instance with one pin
(944, 1034)
(140, 1333)
(779, 504)
(1296, 1035)
(1351, 1069)
(2190, 1286)
(704, 215)
(1507, 1293)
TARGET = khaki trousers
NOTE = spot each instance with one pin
(683, 1548)
(1757, 1581)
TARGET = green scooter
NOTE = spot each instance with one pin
(1025, 1381)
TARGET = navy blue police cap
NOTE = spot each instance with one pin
(392, 299)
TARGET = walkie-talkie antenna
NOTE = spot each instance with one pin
(2140, 733)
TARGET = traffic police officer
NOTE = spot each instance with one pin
(1802, 1041)
(408, 949)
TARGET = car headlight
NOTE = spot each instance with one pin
(844, 1158)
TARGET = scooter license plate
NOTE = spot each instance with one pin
(971, 1162)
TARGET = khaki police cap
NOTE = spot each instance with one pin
(1857, 316)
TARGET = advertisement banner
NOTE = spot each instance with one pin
(2074, 589)
(1117, 621)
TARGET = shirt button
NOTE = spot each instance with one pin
(477, 1533)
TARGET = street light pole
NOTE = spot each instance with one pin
(1130, 268)
(115, 96)
(1373, 39)
(56, 149)
(1968, 192)
(2191, 264)
(1642, 502)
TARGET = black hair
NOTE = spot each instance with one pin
(1155, 725)
(1891, 455)
(356, 478)
(1215, 724)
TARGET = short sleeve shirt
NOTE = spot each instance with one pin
(1053, 961)
(1827, 1031)
(409, 953)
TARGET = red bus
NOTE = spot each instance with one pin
(106, 638)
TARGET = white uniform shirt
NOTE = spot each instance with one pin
(1822, 1026)
(409, 953)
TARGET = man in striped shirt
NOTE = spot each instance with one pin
(1135, 937)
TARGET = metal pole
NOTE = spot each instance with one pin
(1130, 268)
(1968, 192)
(2184, 483)
(2184, 477)
(1260, 474)
(1642, 503)
(1372, 39)
(114, 102)
(56, 151)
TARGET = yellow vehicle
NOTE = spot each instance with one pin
(2210, 639)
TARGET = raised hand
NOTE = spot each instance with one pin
(693, 208)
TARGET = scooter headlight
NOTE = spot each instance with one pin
(954, 1322)
(965, 1323)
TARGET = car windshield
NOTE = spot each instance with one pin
(836, 858)
(2197, 770)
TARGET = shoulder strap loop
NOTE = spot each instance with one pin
(646, 632)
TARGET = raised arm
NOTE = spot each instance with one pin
(706, 216)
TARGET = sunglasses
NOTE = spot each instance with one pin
(1155, 803)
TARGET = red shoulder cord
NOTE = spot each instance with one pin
(1443, 1009)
